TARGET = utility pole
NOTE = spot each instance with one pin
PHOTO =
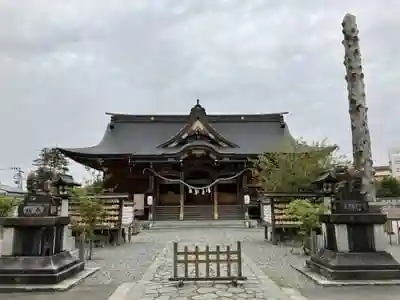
(18, 175)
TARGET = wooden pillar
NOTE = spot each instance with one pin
(121, 225)
(182, 198)
(157, 192)
(238, 181)
(151, 188)
(273, 227)
(244, 190)
(215, 198)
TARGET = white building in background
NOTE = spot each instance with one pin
(394, 162)
(382, 172)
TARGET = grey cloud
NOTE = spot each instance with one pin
(63, 64)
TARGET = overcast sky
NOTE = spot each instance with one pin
(63, 64)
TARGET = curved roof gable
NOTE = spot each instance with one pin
(147, 135)
(199, 128)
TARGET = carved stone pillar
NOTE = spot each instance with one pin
(66, 235)
(215, 198)
(182, 198)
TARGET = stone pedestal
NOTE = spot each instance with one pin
(34, 248)
(354, 248)
(38, 268)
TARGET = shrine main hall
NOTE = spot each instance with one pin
(185, 167)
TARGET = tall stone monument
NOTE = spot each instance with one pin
(354, 237)
(362, 156)
(38, 245)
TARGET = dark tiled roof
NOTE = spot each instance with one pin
(143, 134)
(66, 180)
(143, 137)
(10, 190)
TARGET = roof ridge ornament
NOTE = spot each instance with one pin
(197, 125)
(197, 112)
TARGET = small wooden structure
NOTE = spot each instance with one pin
(274, 215)
(208, 258)
(118, 221)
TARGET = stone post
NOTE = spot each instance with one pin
(66, 241)
(354, 231)
(362, 156)
(7, 235)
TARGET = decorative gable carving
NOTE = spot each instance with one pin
(198, 128)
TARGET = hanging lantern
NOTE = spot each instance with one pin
(209, 190)
(247, 199)
(190, 190)
(203, 192)
(196, 192)
(150, 200)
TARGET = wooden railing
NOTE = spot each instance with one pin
(207, 264)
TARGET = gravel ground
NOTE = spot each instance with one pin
(275, 261)
(127, 263)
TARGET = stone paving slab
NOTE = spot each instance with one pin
(155, 285)
(58, 287)
(320, 280)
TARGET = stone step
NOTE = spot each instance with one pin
(200, 212)
(230, 212)
(173, 225)
(167, 213)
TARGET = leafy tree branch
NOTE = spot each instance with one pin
(295, 166)
(388, 187)
(7, 204)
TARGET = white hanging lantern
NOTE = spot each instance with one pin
(203, 192)
(190, 190)
(209, 190)
(246, 199)
(196, 192)
(150, 200)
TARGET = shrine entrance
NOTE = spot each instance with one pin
(198, 178)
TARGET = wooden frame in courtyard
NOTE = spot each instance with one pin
(208, 258)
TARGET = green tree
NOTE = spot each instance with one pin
(294, 166)
(388, 187)
(90, 209)
(7, 204)
(307, 213)
(53, 159)
(95, 184)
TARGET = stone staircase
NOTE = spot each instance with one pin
(167, 213)
(198, 212)
(199, 224)
(231, 212)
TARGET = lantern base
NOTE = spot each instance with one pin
(354, 265)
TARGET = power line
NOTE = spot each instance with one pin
(18, 175)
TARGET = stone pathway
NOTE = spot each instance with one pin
(155, 285)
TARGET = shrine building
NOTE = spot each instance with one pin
(185, 167)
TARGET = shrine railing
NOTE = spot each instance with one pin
(207, 264)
